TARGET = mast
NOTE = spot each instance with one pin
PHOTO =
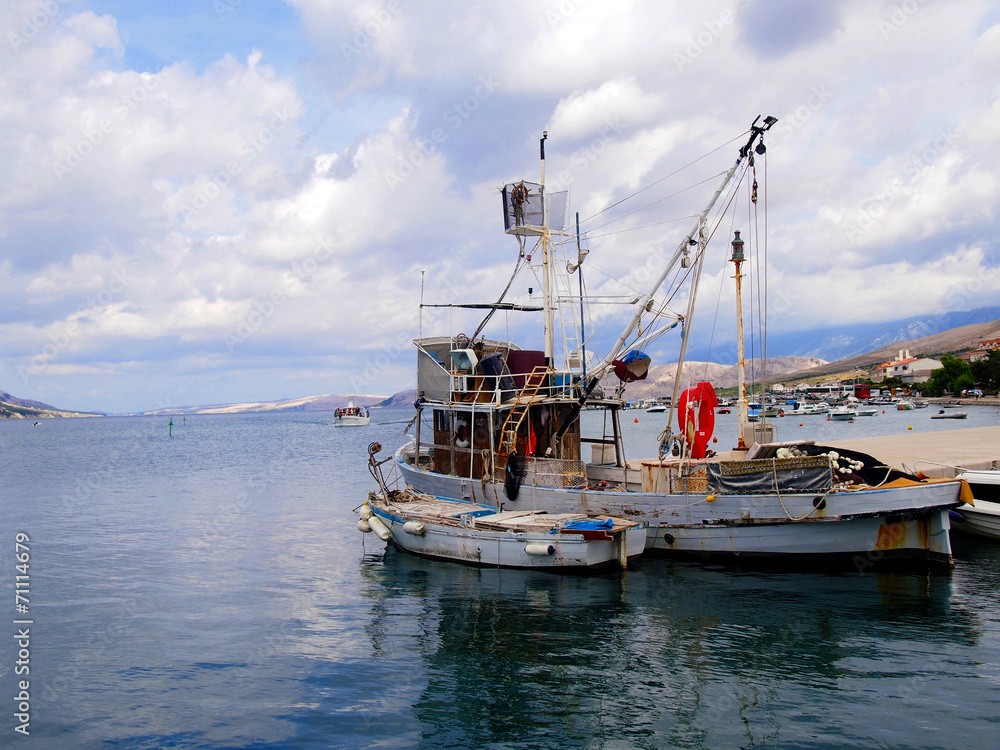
(546, 265)
(742, 408)
(645, 302)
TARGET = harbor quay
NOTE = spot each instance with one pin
(934, 453)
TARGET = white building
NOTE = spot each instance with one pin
(908, 369)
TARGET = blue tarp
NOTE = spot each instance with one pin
(590, 525)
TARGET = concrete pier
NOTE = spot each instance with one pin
(977, 448)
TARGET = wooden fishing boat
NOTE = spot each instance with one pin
(467, 532)
(499, 424)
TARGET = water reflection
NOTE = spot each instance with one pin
(668, 654)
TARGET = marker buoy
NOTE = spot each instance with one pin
(800, 424)
(910, 427)
(637, 420)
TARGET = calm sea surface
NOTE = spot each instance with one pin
(210, 590)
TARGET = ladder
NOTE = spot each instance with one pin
(567, 303)
(532, 384)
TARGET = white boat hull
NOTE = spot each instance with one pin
(867, 526)
(351, 421)
(982, 520)
(510, 549)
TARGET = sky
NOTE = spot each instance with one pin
(238, 200)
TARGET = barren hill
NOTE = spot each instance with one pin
(660, 381)
(945, 342)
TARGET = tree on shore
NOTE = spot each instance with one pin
(954, 376)
(987, 371)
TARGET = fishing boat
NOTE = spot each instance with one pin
(983, 517)
(467, 532)
(499, 423)
(351, 416)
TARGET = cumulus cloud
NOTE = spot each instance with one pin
(242, 230)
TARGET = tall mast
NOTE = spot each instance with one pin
(546, 265)
(742, 408)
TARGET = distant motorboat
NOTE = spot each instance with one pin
(949, 415)
(656, 409)
(867, 411)
(843, 413)
(905, 405)
(351, 416)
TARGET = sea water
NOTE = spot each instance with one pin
(209, 589)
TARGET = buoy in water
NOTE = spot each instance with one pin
(637, 420)
(800, 424)
(910, 427)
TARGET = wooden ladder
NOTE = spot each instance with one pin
(532, 384)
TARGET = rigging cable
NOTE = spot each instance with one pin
(650, 205)
(653, 184)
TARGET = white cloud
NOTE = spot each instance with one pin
(210, 188)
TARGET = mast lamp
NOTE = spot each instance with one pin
(738, 248)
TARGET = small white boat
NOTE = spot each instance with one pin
(843, 413)
(867, 411)
(815, 409)
(983, 518)
(950, 415)
(351, 416)
(905, 405)
(482, 535)
(921, 404)
(656, 409)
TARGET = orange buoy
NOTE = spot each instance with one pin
(637, 420)
(800, 424)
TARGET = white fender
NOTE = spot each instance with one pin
(414, 527)
(539, 548)
(380, 529)
(366, 512)
(364, 526)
